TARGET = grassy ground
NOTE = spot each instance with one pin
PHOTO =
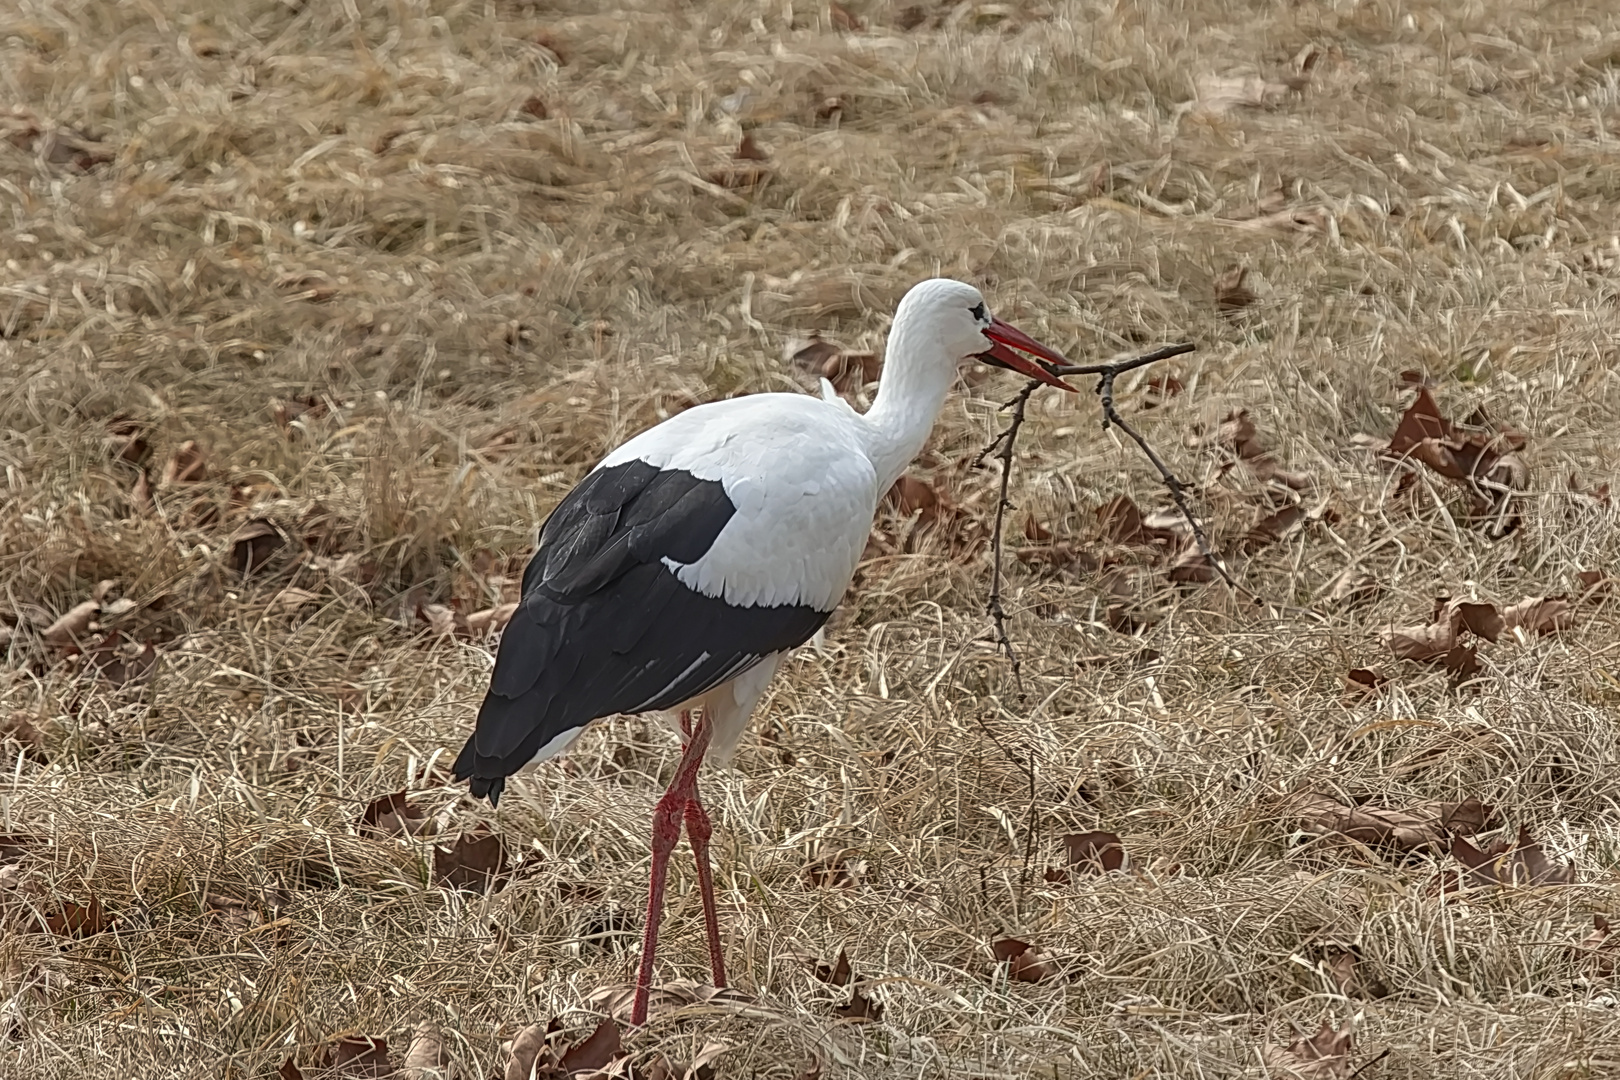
(401, 272)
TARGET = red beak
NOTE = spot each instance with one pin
(1000, 354)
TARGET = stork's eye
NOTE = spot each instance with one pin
(978, 312)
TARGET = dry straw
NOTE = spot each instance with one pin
(400, 272)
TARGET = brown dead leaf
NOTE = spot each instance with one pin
(187, 465)
(425, 1058)
(1024, 962)
(19, 729)
(1462, 662)
(1323, 1056)
(1480, 619)
(595, 1052)
(833, 872)
(1192, 566)
(1094, 852)
(1598, 952)
(1271, 528)
(1538, 615)
(1428, 826)
(1520, 863)
(535, 106)
(1421, 421)
(1238, 437)
(231, 913)
(75, 624)
(289, 1070)
(476, 862)
(1361, 681)
(839, 973)
(79, 920)
(1431, 642)
(913, 496)
(120, 662)
(530, 1056)
(1160, 389)
(1593, 582)
(1344, 967)
(126, 440)
(1232, 295)
(845, 369)
(253, 544)
(1123, 523)
(1035, 532)
(860, 1007)
(358, 1057)
(394, 815)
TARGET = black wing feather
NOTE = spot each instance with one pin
(605, 627)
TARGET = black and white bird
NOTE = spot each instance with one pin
(680, 571)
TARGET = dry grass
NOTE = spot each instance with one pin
(353, 203)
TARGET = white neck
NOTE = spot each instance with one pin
(909, 399)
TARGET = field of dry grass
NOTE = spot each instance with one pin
(310, 311)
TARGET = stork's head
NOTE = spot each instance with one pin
(955, 315)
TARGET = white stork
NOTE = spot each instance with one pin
(678, 573)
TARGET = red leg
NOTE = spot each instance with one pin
(666, 830)
(698, 831)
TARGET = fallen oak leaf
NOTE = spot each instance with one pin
(1024, 962)
(79, 920)
(476, 862)
(1427, 826)
(425, 1058)
(19, 729)
(1095, 852)
(595, 1052)
(839, 973)
(1600, 953)
(187, 465)
(1520, 863)
(252, 545)
(1427, 643)
(860, 1007)
(1273, 527)
(393, 815)
(119, 665)
(529, 1055)
(1192, 566)
(1538, 615)
(1363, 681)
(358, 1057)
(1594, 583)
(912, 496)
(1232, 295)
(1322, 1056)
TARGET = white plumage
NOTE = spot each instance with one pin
(679, 572)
